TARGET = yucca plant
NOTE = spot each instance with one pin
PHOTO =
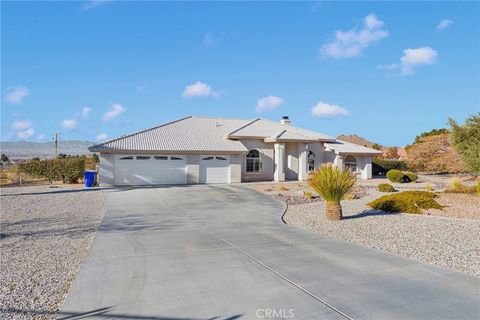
(332, 184)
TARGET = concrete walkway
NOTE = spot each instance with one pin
(222, 252)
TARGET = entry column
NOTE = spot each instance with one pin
(279, 174)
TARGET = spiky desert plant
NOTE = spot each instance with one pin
(332, 184)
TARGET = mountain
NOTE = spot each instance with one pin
(353, 138)
(43, 150)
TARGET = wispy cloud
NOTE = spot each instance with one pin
(444, 24)
(21, 125)
(413, 58)
(268, 103)
(92, 4)
(201, 89)
(68, 124)
(25, 134)
(86, 112)
(351, 43)
(114, 111)
(326, 110)
(15, 95)
(210, 39)
(102, 137)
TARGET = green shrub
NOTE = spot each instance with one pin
(456, 186)
(380, 166)
(68, 169)
(407, 201)
(429, 188)
(478, 187)
(411, 176)
(395, 176)
(385, 187)
(307, 195)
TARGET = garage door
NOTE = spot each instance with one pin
(214, 169)
(150, 170)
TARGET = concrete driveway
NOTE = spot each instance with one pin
(222, 252)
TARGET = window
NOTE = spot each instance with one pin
(208, 158)
(350, 163)
(126, 158)
(175, 158)
(143, 157)
(160, 158)
(253, 162)
(221, 158)
(311, 161)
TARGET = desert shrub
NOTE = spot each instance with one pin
(307, 195)
(456, 186)
(411, 176)
(407, 201)
(478, 187)
(385, 187)
(68, 169)
(283, 188)
(428, 188)
(395, 176)
(382, 166)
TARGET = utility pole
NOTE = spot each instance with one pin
(56, 137)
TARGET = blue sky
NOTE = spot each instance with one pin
(98, 69)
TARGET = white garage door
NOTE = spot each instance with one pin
(149, 169)
(214, 169)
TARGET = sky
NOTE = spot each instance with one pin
(95, 70)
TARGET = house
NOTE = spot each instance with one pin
(196, 149)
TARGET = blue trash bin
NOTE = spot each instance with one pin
(90, 178)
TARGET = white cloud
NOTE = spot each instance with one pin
(268, 103)
(391, 66)
(102, 137)
(415, 57)
(41, 137)
(86, 112)
(68, 124)
(200, 89)
(114, 111)
(21, 125)
(92, 4)
(210, 39)
(26, 133)
(351, 43)
(15, 95)
(326, 110)
(444, 23)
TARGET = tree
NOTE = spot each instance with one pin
(433, 132)
(377, 146)
(332, 184)
(466, 140)
(392, 153)
(4, 158)
(434, 154)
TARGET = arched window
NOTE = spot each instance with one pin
(350, 162)
(311, 161)
(253, 162)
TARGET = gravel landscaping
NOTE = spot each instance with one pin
(449, 243)
(45, 236)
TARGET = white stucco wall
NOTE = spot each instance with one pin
(236, 168)
(266, 154)
(291, 161)
(106, 170)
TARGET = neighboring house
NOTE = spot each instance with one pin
(218, 150)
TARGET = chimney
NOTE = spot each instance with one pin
(285, 120)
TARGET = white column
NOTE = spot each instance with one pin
(367, 168)
(339, 161)
(279, 174)
(302, 162)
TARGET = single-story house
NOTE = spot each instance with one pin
(196, 149)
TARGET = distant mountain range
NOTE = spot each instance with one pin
(353, 138)
(43, 150)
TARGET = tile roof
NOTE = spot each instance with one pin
(186, 134)
(347, 147)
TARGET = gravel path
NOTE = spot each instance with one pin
(45, 235)
(445, 242)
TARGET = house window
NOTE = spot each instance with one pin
(143, 157)
(161, 158)
(208, 158)
(350, 163)
(175, 158)
(221, 158)
(253, 162)
(311, 161)
(126, 158)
